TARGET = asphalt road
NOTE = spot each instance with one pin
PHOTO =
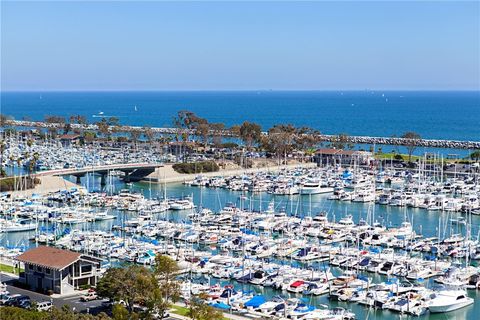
(92, 307)
(72, 301)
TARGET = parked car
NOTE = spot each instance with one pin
(44, 306)
(89, 296)
(107, 303)
(16, 299)
(25, 304)
(156, 315)
(4, 298)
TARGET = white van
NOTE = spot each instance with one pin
(44, 306)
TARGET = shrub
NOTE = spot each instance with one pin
(196, 167)
(85, 286)
(229, 145)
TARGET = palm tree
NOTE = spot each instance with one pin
(33, 161)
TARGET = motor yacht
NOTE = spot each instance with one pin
(449, 300)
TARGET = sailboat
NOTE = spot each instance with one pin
(135, 108)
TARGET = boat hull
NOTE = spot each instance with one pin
(450, 307)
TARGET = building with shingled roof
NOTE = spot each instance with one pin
(61, 271)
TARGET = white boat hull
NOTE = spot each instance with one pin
(450, 307)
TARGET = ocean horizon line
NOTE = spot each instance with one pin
(234, 90)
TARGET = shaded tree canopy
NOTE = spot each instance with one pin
(133, 284)
(341, 141)
(249, 132)
(200, 310)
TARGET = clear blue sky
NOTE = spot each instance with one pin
(240, 46)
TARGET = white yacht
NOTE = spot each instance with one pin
(449, 300)
(182, 204)
(364, 195)
(16, 225)
(314, 187)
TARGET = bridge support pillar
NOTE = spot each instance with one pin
(78, 179)
(103, 179)
(126, 179)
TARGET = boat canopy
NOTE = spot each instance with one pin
(255, 302)
(297, 284)
(220, 305)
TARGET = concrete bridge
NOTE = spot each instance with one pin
(134, 172)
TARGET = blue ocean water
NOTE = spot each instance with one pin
(433, 114)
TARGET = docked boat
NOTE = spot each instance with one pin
(449, 300)
(314, 187)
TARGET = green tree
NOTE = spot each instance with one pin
(132, 284)
(341, 141)
(411, 142)
(217, 133)
(79, 119)
(54, 123)
(119, 312)
(250, 133)
(165, 270)
(307, 140)
(200, 310)
(113, 121)
(475, 155)
(103, 127)
(148, 133)
(4, 120)
(3, 147)
(134, 136)
(202, 130)
(280, 140)
(67, 127)
(182, 124)
(89, 136)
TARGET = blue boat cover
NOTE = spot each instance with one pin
(255, 302)
(220, 305)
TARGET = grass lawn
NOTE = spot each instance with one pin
(392, 156)
(182, 311)
(388, 156)
(7, 268)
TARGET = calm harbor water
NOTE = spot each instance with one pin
(425, 222)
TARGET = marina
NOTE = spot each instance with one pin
(240, 160)
(360, 253)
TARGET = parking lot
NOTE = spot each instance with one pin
(73, 302)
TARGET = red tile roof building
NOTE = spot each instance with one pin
(56, 270)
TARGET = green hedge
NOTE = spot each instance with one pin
(196, 167)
